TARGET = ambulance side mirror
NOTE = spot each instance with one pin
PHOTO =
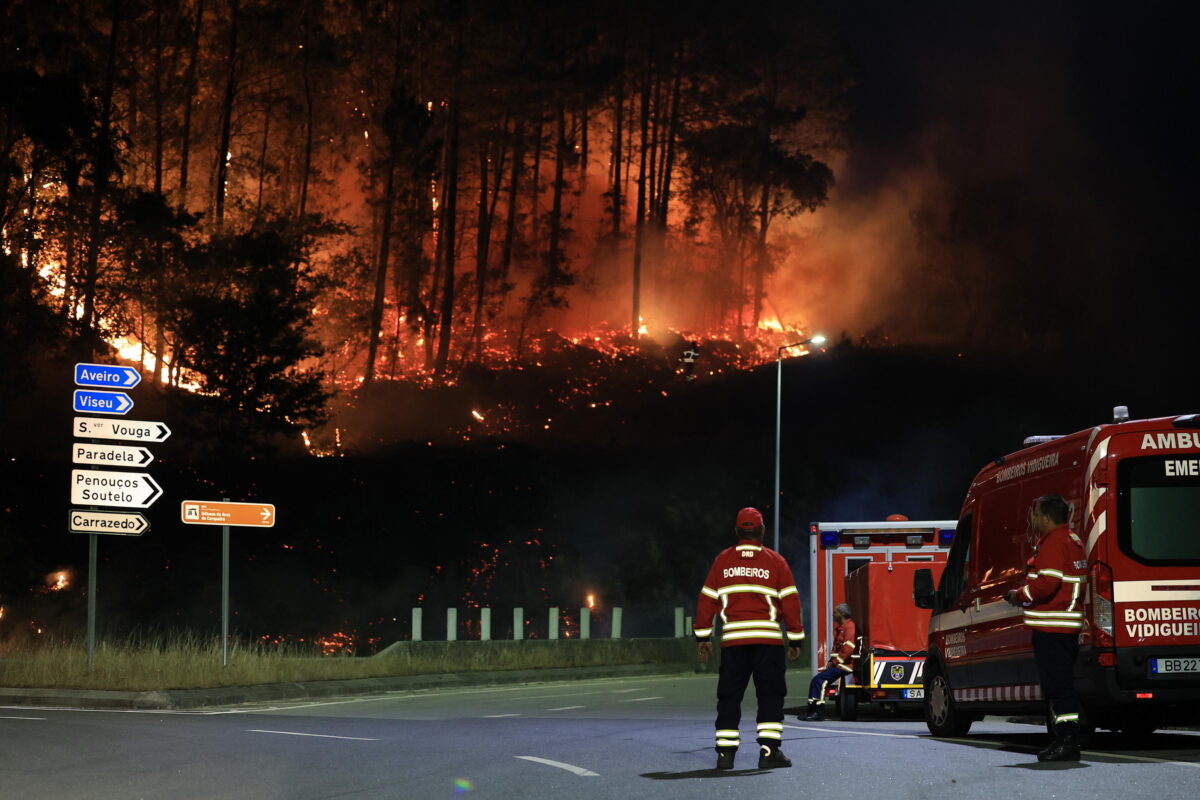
(924, 592)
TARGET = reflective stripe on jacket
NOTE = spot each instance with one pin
(752, 589)
(1055, 583)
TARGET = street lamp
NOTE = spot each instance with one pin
(817, 340)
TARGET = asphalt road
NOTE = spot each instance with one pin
(616, 738)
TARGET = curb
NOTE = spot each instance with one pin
(184, 699)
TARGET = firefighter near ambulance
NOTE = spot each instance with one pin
(752, 590)
(1051, 602)
(1103, 575)
(842, 661)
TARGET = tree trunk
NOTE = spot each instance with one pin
(262, 152)
(103, 166)
(185, 134)
(615, 167)
(514, 189)
(639, 233)
(535, 184)
(158, 98)
(553, 253)
(483, 240)
(446, 322)
(223, 139)
(308, 117)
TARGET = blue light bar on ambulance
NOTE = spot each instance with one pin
(829, 539)
(945, 537)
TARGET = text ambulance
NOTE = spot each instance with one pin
(1134, 491)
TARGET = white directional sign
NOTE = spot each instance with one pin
(134, 430)
(122, 523)
(96, 487)
(112, 455)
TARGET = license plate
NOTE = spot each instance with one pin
(1174, 666)
(914, 694)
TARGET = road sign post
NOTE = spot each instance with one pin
(95, 487)
(225, 514)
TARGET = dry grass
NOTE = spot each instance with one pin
(192, 662)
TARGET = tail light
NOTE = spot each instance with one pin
(1102, 606)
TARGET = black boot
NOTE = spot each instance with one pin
(1063, 748)
(816, 712)
(771, 757)
(725, 757)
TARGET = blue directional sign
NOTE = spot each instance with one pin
(109, 376)
(102, 402)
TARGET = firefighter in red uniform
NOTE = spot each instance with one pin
(752, 588)
(1051, 598)
(842, 660)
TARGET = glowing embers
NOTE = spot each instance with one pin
(57, 581)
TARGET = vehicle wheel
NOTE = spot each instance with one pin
(848, 705)
(941, 712)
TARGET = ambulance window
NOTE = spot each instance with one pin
(854, 563)
(954, 578)
(1158, 503)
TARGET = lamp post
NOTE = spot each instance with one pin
(817, 340)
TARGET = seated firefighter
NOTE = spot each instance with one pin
(842, 661)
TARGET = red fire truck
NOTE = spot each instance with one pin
(870, 565)
(1134, 490)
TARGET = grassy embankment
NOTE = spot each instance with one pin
(189, 662)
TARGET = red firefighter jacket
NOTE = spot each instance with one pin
(845, 645)
(752, 588)
(1054, 580)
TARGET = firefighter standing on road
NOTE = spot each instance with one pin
(1052, 597)
(841, 661)
(752, 588)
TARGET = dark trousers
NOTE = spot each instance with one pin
(1055, 655)
(816, 689)
(766, 663)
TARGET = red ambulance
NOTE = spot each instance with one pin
(870, 566)
(1134, 491)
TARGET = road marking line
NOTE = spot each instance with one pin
(565, 708)
(639, 699)
(317, 735)
(857, 733)
(586, 773)
(41, 718)
(498, 716)
(627, 691)
(1093, 753)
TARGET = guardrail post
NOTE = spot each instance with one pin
(485, 624)
(518, 623)
(616, 626)
(553, 623)
(416, 624)
(451, 624)
(585, 623)
(678, 622)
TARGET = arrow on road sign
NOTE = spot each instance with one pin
(208, 512)
(110, 376)
(95, 487)
(113, 455)
(102, 402)
(121, 523)
(133, 430)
